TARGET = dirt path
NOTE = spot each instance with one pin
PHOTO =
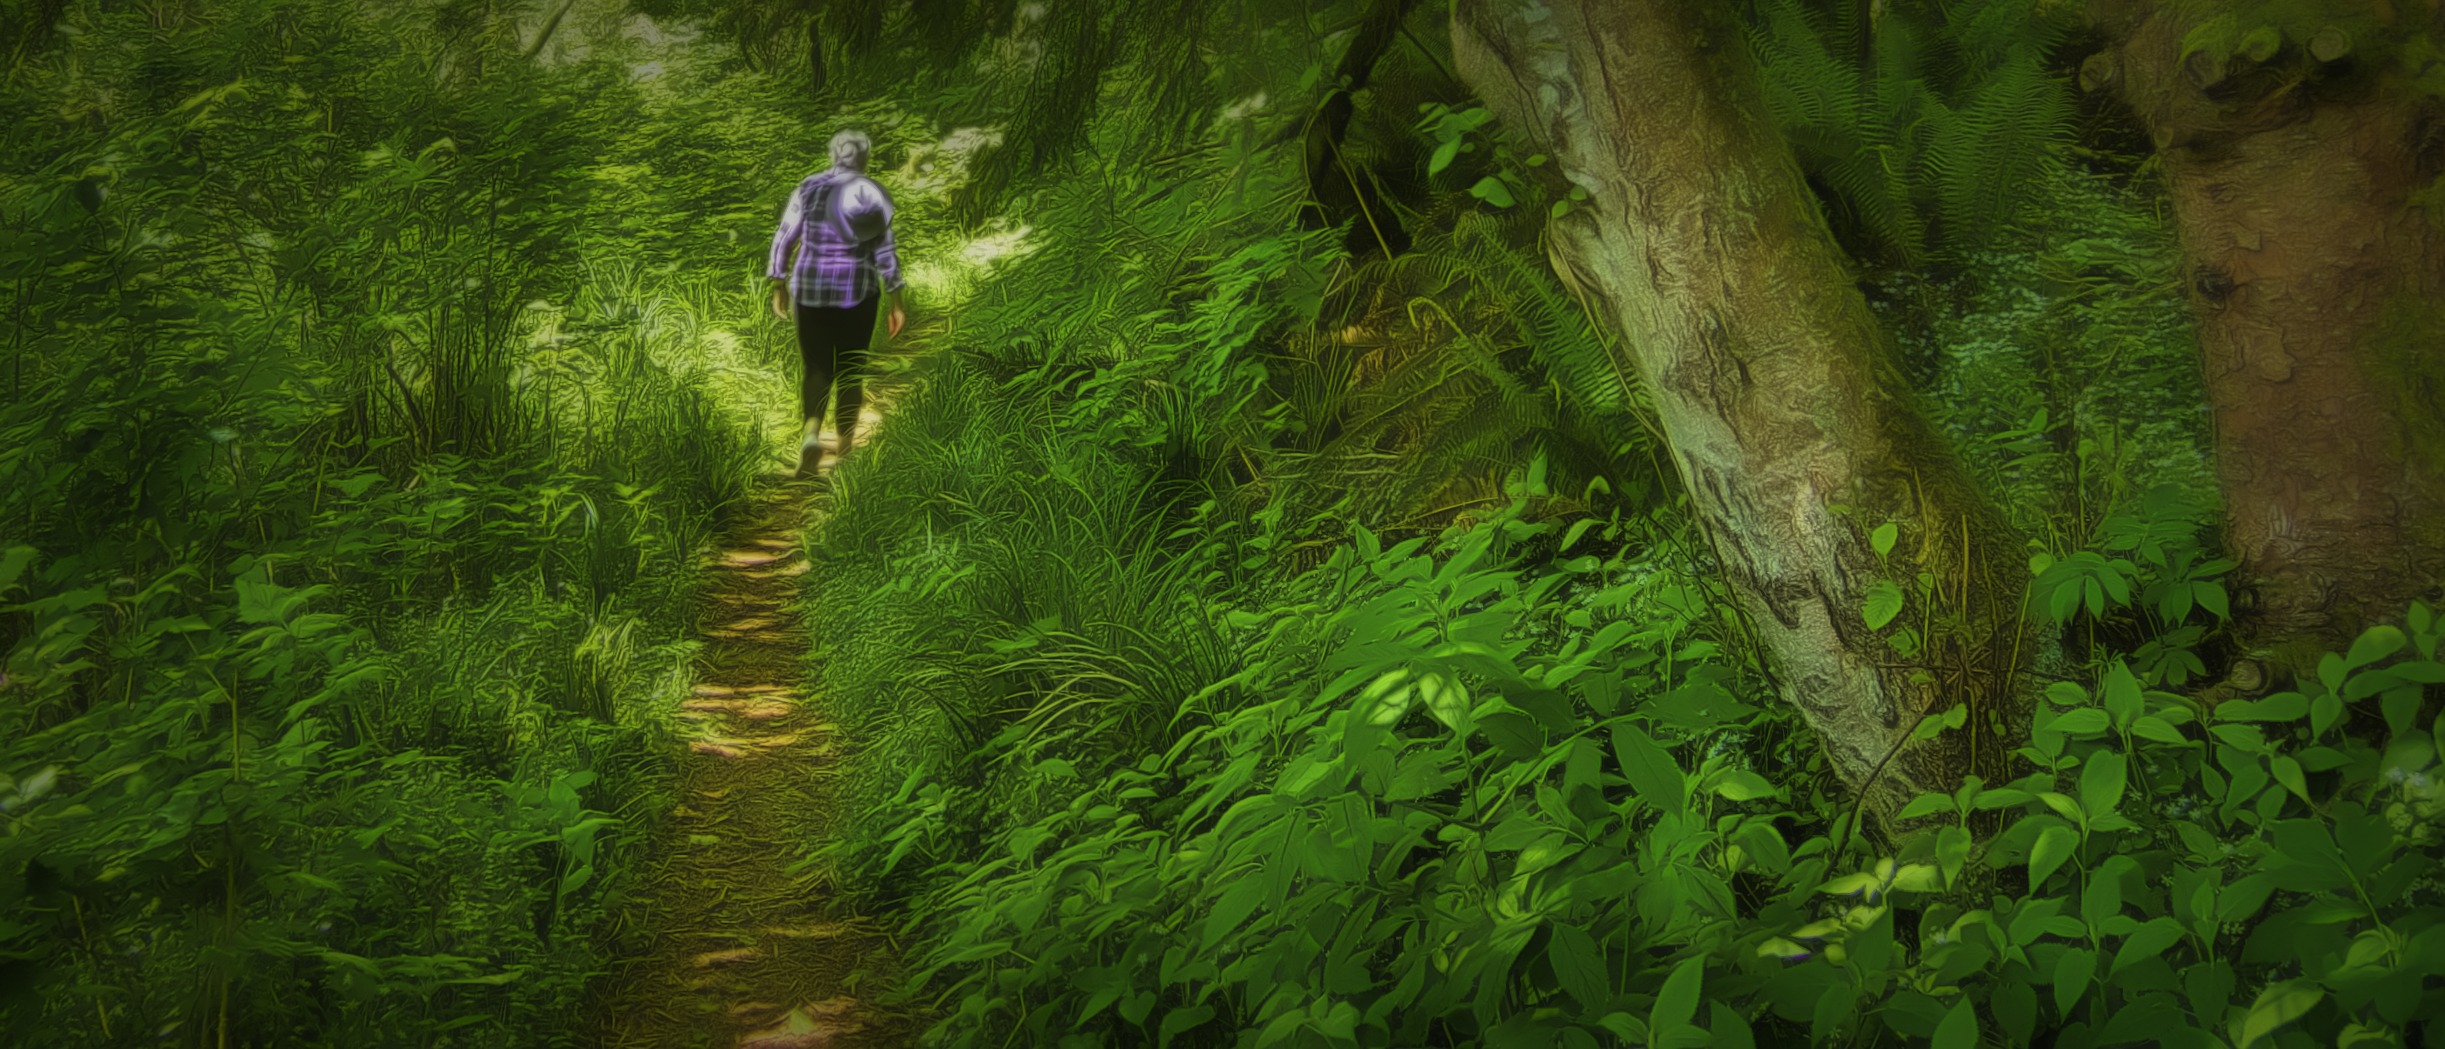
(744, 954)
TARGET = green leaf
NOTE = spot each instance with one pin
(1677, 1002)
(1960, 1027)
(2156, 729)
(1236, 904)
(2282, 706)
(1445, 153)
(2101, 782)
(1579, 965)
(2121, 694)
(1953, 851)
(2054, 845)
(2072, 972)
(1649, 768)
(2375, 643)
(2210, 596)
(2144, 943)
(2402, 708)
(1934, 725)
(2288, 772)
(13, 562)
(1492, 191)
(1744, 785)
(1881, 540)
(2015, 1005)
(1178, 1021)
(1926, 804)
(2276, 1006)
(1884, 601)
(2085, 721)
(1731, 1030)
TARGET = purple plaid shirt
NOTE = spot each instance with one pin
(831, 269)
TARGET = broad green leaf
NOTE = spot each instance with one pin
(1917, 877)
(2279, 1004)
(1883, 602)
(2086, 721)
(1729, 1028)
(2101, 782)
(1934, 725)
(1649, 768)
(2156, 729)
(1236, 904)
(2211, 596)
(1959, 1029)
(2029, 920)
(2072, 972)
(1387, 698)
(1744, 785)
(1178, 1021)
(1579, 965)
(1926, 804)
(2145, 942)
(1881, 540)
(13, 562)
(2287, 771)
(2120, 694)
(1492, 191)
(2282, 706)
(1447, 699)
(1953, 852)
(2402, 708)
(1677, 1003)
(2375, 643)
(2015, 1005)
(2054, 845)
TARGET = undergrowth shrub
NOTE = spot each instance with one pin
(352, 478)
(1466, 799)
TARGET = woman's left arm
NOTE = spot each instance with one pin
(887, 263)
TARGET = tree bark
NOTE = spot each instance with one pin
(1790, 424)
(2318, 280)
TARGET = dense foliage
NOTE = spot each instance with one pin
(355, 468)
(1241, 641)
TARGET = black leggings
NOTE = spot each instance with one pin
(832, 341)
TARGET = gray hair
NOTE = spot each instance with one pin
(849, 150)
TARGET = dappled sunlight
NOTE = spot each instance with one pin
(1301, 578)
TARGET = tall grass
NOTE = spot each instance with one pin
(356, 477)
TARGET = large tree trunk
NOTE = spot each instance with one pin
(2319, 286)
(1792, 428)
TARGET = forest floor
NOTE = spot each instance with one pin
(745, 952)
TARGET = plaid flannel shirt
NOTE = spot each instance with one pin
(830, 268)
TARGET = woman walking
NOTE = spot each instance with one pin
(839, 225)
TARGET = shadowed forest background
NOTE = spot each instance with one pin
(1396, 523)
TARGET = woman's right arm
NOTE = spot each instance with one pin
(777, 268)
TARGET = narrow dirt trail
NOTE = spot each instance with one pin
(744, 954)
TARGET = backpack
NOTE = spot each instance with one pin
(861, 229)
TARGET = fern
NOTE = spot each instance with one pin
(1982, 157)
(1929, 147)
